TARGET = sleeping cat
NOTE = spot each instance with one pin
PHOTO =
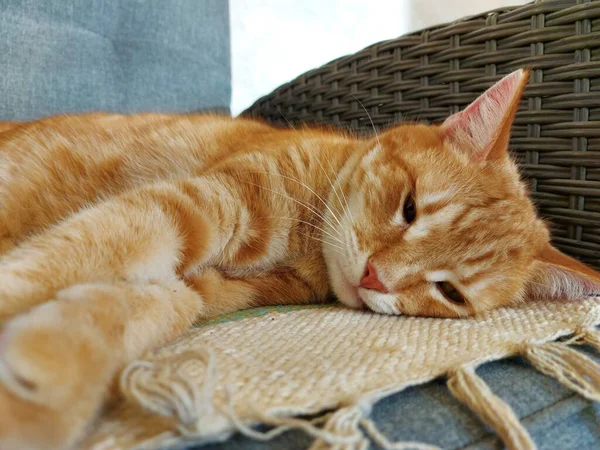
(118, 232)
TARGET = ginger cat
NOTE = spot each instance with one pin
(118, 232)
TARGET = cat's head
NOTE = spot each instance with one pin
(435, 221)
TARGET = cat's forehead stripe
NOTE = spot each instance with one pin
(408, 270)
(425, 222)
(435, 197)
(440, 275)
(468, 271)
(476, 288)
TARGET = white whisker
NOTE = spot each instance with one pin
(339, 250)
(305, 186)
(335, 188)
(329, 163)
(307, 206)
(369, 116)
(330, 181)
(310, 224)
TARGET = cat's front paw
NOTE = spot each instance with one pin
(51, 380)
(28, 426)
(27, 418)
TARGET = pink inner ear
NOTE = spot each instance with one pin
(475, 128)
(459, 122)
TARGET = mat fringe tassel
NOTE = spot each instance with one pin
(384, 443)
(343, 422)
(573, 369)
(470, 389)
(165, 390)
(591, 336)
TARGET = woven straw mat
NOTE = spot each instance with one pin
(271, 364)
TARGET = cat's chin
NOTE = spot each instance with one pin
(350, 297)
(347, 293)
(354, 302)
(379, 303)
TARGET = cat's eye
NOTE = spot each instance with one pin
(451, 293)
(409, 211)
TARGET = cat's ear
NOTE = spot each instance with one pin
(482, 129)
(558, 276)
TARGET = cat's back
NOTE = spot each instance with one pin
(117, 147)
(153, 143)
(58, 164)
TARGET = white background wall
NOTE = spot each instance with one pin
(273, 41)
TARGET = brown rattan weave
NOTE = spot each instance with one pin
(428, 75)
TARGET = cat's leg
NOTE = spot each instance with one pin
(144, 234)
(223, 294)
(57, 362)
(102, 243)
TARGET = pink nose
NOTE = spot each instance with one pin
(370, 280)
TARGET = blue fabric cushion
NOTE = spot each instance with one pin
(138, 55)
(555, 417)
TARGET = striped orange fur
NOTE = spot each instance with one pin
(118, 232)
